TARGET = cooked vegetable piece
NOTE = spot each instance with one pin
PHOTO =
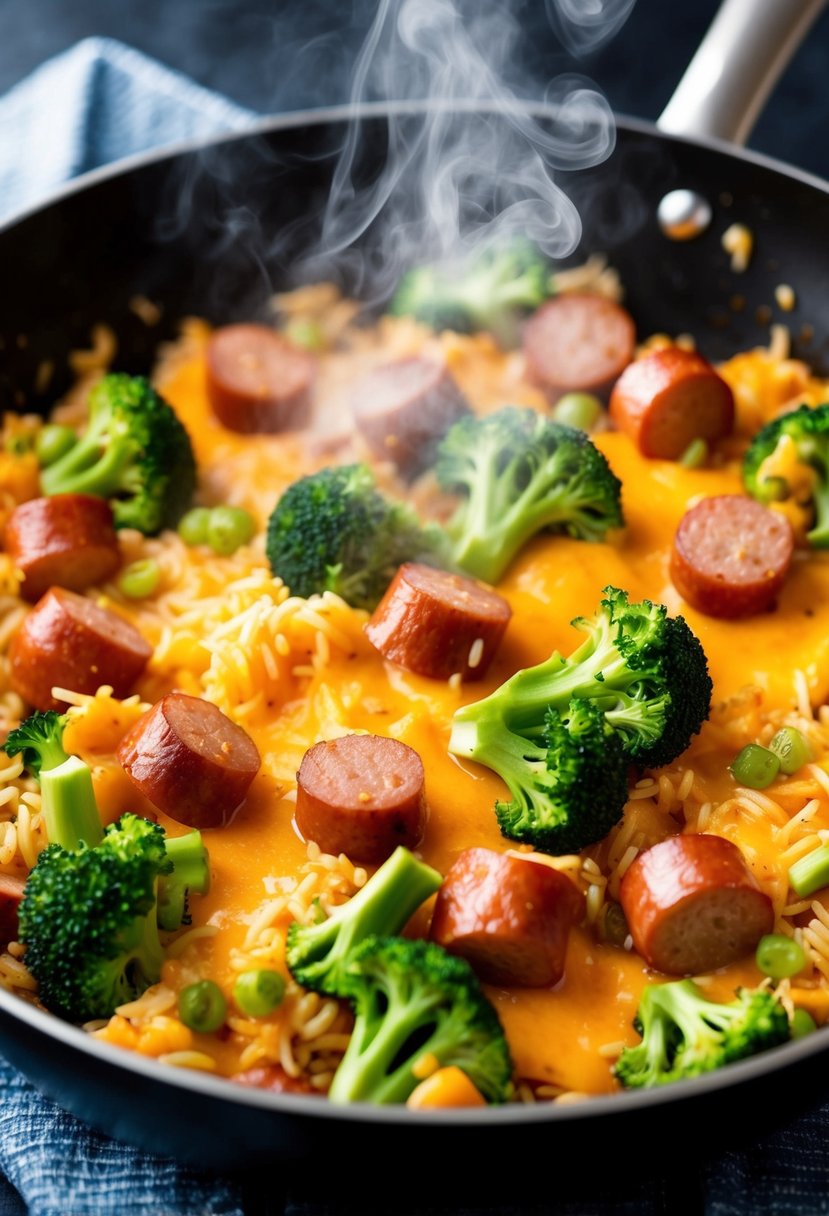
(52, 442)
(508, 916)
(193, 525)
(669, 398)
(88, 920)
(190, 760)
(258, 993)
(202, 1006)
(791, 748)
(578, 341)
(317, 953)
(228, 528)
(755, 766)
(69, 641)
(693, 904)
(140, 579)
(334, 531)
(412, 999)
(695, 455)
(810, 873)
(437, 624)
(580, 410)
(684, 1034)
(67, 797)
(190, 872)
(64, 541)
(520, 474)
(780, 957)
(134, 452)
(802, 1024)
(491, 289)
(362, 795)
(446, 1087)
(788, 461)
(730, 556)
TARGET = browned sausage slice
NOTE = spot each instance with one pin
(11, 896)
(578, 342)
(362, 795)
(403, 408)
(258, 381)
(436, 624)
(68, 641)
(731, 556)
(692, 905)
(274, 1078)
(509, 917)
(67, 540)
(667, 399)
(190, 760)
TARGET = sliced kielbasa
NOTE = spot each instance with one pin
(11, 896)
(258, 381)
(362, 795)
(274, 1078)
(509, 917)
(731, 555)
(667, 399)
(403, 408)
(190, 760)
(578, 342)
(68, 641)
(436, 624)
(693, 905)
(67, 540)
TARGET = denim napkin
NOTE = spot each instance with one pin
(99, 102)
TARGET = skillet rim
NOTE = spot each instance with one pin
(779, 1059)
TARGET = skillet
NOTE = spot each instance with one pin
(83, 257)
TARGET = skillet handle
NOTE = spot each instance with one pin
(738, 62)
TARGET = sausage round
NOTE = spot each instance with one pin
(274, 1078)
(667, 399)
(578, 343)
(67, 540)
(11, 897)
(258, 381)
(190, 760)
(68, 641)
(731, 555)
(693, 905)
(436, 624)
(362, 795)
(403, 408)
(508, 916)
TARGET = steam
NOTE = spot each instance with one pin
(585, 25)
(470, 164)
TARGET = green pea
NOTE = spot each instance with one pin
(755, 767)
(695, 455)
(305, 333)
(192, 527)
(258, 993)
(791, 749)
(139, 579)
(773, 489)
(614, 926)
(779, 956)
(52, 442)
(228, 528)
(802, 1024)
(581, 410)
(202, 1006)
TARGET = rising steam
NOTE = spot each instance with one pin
(470, 163)
(585, 25)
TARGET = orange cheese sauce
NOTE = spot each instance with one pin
(556, 1036)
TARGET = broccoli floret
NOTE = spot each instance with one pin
(88, 920)
(568, 787)
(134, 452)
(190, 872)
(521, 474)
(646, 671)
(412, 999)
(68, 801)
(334, 531)
(808, 430)
(490, 290)
(684, 1034)
(316, 953)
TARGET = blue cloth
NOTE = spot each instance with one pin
(95, 104)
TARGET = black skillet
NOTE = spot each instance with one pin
(84, 257)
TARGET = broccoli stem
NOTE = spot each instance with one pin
(69, 806)
(191, 872)
(818, 534)
(92, 466)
